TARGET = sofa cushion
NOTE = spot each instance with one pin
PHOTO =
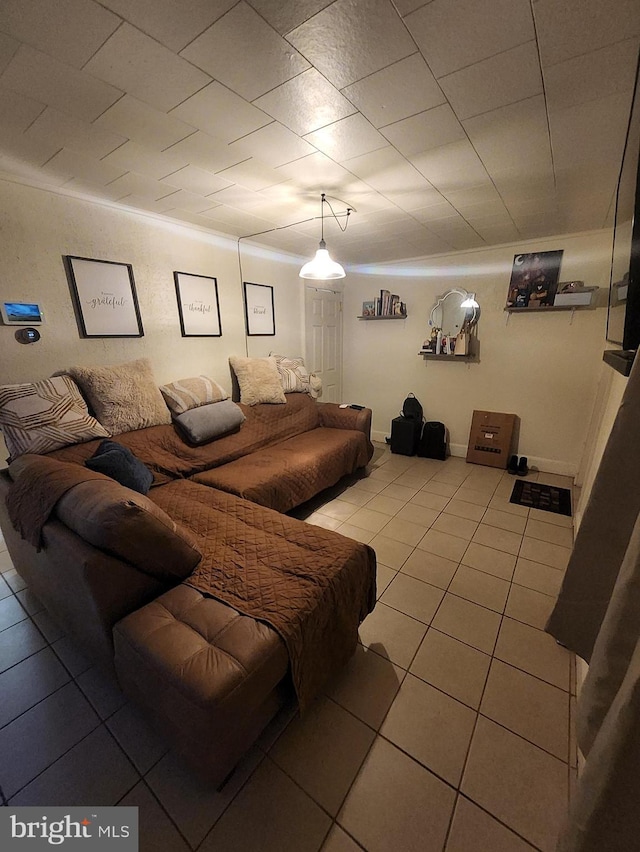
(38, 417)
(210, 421)
(130, 526)
(119, 463)
(258, 379)
(123, 397)
(191, 393)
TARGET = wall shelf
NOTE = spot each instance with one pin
(431, 356)
(385, 317)
(547, 309)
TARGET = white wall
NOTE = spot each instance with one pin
(38, 227)
(544, 367)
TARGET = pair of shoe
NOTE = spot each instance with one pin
(519, 466)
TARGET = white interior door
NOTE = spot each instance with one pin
(324, 339)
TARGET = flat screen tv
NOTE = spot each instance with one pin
(623, 316)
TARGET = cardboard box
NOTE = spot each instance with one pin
(491, 438)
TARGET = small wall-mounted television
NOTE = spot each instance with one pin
(623, 316)
(21, 313)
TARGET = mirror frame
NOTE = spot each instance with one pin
(472, 315)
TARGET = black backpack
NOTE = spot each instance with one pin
(433, 441)
(411, 408)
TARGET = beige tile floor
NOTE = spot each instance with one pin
(450, 729)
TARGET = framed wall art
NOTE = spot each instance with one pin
(259, 309)
(104, 297)
(198, 305)
(534, 280)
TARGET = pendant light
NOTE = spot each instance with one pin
(322, 268)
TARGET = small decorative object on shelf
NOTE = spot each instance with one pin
(387, 305)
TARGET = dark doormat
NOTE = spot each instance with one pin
(535, 495)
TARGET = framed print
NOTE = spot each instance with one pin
(259, 309)
(534, 279)
(104, 297)
(198, 305)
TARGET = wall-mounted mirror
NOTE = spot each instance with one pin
(455, 311)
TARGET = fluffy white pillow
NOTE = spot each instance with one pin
(258, 379)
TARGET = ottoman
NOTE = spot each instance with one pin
(207, 678)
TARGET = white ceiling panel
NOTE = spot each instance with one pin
(242, 51)
(8, 48)
(593, 75)
(386, 170)
(196, 180)
(486, 193)
(16, 111)
(206, 152)
(284, 15)
(455, 33)
(238, 196)
(307, 102)
(405, 7)
(569, 28)
(349, 40)
(75, 165)
(252, 175)
(172, 24)
(80, 135)
(146, 125)
(347, 138)
(512, 137)
(239, 221)
(221, 113)
(35, 152)
(139, 158)
(141, 202)
(396, 92)
(441, 210)
(274, 144)
(14, 168)
(135, 63)
(44, 79)
(496, 232)
(515, 186)
(70, 30)
(498, 81)
(183, 200)
(415, 199)
(431, 129)
(451, 167)
(133, 184)
(317, 170)
(197, 219)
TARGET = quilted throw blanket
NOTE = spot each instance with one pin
(312, 586)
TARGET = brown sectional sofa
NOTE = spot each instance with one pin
(274, 603)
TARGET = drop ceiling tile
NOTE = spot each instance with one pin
(242, 51)
(455, 33)
(284, 15)
(237, 196)
(146, 125)
(221, 113)
(133, 184)
(34, 152)
(203, 150)
(415, 199)
(387, 171)
(494, 210)
(80, 135)
(496, 232)
(274, 144)
(197, 219)
(472, 196)
(433, 212)
(317, 171)
(139, 202)
(405, 7)
(512, 137)
(405, 88)
(347, 138)
(515, 186)
(453, 166)
(574, 27)
(138, 158)
(347, 41)
(239, 221)
(16, 111)
(44, 79)
(583, 181)
(172, 24)
(453, 229)
(69, 30)
(75, 165)
(495, 82)
(593, 75)
(183, 200)
(252, 175)
(12, 166)
(196, 180)
(8, 48)
(422, 132)
(140, 66)
(307, 102)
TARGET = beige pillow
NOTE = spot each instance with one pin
(39, 417)
(296, 378)
(192, 393)
(258, 379)
(124, 397)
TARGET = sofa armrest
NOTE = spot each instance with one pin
(334, 417)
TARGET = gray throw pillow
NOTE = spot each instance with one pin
(207, 422)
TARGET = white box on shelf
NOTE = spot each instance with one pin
(578, 298)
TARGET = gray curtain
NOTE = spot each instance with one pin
(598, 616)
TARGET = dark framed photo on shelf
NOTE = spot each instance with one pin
(534, 279)
(104, 297)
(198, 305)
(369, 308)
(259, 310)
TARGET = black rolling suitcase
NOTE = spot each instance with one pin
(405, 434)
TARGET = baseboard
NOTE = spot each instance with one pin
(535, 462)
